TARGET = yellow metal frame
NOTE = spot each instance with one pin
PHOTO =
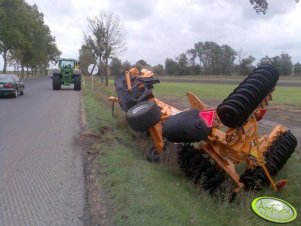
(226, 148)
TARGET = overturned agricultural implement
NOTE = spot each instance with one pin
(212, 142)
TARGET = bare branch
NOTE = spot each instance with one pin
(106, 38)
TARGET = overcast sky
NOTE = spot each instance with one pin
(157, 30)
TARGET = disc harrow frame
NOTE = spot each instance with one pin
(232, 138)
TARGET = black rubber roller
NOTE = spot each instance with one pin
(268, 68)
(186, 127)
(241, 103)
(275, 158)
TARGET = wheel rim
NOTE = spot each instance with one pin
(136, 110)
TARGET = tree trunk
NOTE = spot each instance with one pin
(18, 71)
(100, 72)
(27, 72)
(22, 70)
(46, 70)
(4, 55)
(106, 72)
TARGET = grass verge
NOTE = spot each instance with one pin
(142, 193)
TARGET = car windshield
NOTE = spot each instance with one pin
(6, 78)
(67, 64)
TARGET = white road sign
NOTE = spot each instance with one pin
(92, 69)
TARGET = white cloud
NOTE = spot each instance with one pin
(157, 30)
(133, 9)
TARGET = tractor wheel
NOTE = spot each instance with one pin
(77, 82)
(241, 103)
(143, 116)
(275, 158)
(56, 82)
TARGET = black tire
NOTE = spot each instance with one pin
(22, 93)
(77, 82)
(152, 155)
(56, 82)
(143, 116)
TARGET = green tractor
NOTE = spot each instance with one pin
(67, 74)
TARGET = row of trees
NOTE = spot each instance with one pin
(205, 58)
(25, 40)
(105, 39)
(209, 58)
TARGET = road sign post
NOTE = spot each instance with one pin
(92, 69)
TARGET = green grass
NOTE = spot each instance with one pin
(224, 77)
(217, 92)
(203, 91)
(157, 194)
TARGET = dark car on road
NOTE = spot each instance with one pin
(11, 85)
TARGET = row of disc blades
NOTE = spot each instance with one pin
(199, 169)
(240, 104)
(275, 158)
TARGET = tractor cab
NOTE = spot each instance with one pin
(67, 67)
(67, 74)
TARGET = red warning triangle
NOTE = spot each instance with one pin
(208, 116)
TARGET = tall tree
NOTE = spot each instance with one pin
(85, 58)
(286, 65)
(126, 65)
(142, 64)
(191, 54)
(25, 39)
(246, 65)
(115, 66)
(159, 69)
(240, 55)
(209, 54)
(194, 67)
(265, 60)
(105, 38)
(10, 34)
(183, 64)
(228, 56)
(297, 69)
(171, 67)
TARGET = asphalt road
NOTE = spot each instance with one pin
(41, 167)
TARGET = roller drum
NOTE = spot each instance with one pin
(241, 103)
